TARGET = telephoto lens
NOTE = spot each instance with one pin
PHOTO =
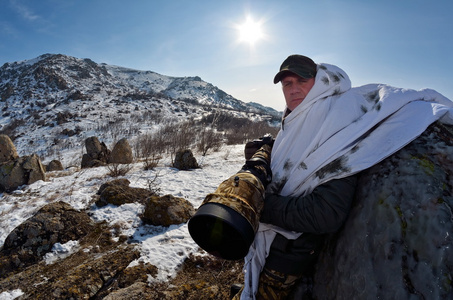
(226, 222)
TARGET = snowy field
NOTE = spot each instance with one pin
(164, 247)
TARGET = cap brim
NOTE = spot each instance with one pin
(301, 73)
(282, 74)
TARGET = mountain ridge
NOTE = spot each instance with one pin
(43, 98)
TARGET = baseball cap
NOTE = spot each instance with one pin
(300, 65)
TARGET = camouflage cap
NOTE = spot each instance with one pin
(300, 65)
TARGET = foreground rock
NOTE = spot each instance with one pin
(397, 241)
(98, 267)
(30, 241)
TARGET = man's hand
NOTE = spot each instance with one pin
(260, 165)
(253, 146)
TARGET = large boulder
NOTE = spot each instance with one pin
(8, 151)
(97, 153)
(20, 171)
(167, 210)
(397, 242)
(121, 153)
(184, 160)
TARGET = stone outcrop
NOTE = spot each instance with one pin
(16, 171)
(121, 153)
(184, 160)
(397, 241)
(8, 151)
(97, 153)
(30, 241)
(93, 271)
(20, 171)
(167, 210)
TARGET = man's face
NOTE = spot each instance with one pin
(295, 89)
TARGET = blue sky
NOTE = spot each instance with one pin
(404, 43)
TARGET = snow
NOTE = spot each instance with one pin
(60, 251)
(164, 247)
(11, 295)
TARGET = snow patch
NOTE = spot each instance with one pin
(60, 251)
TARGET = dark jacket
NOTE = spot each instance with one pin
(317, 214)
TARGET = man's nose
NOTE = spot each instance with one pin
(294, 89)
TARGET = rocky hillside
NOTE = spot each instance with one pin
(57, 99)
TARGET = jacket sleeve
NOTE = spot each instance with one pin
(322, 211)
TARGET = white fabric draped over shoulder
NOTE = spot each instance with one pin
(338, 131)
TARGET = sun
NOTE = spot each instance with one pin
(250, 31)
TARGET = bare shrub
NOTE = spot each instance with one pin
(237, 129)
(179, 137)
(259, 129)
(150, 147)
(116, 169)
(151, 162)
(153, 184)
(249, 131)
(209, 139)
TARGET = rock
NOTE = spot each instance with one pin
(121, 181)
(167, 210)
(54, 165)
(97, 153)
(118, 192)
(8, 151)
(184, 160)
(121, 153)
(86, 274)
(22, 170)
(97, 268)
(31, 240)
(397, 241)
(88, 162)
(69, 132)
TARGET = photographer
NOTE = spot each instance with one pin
(329, 133)
(316, 214)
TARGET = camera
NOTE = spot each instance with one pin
(226, 222)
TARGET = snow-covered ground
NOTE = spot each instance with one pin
(164, 247)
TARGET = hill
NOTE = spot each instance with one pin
(53, 102)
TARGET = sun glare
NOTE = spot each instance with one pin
(250, 31)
